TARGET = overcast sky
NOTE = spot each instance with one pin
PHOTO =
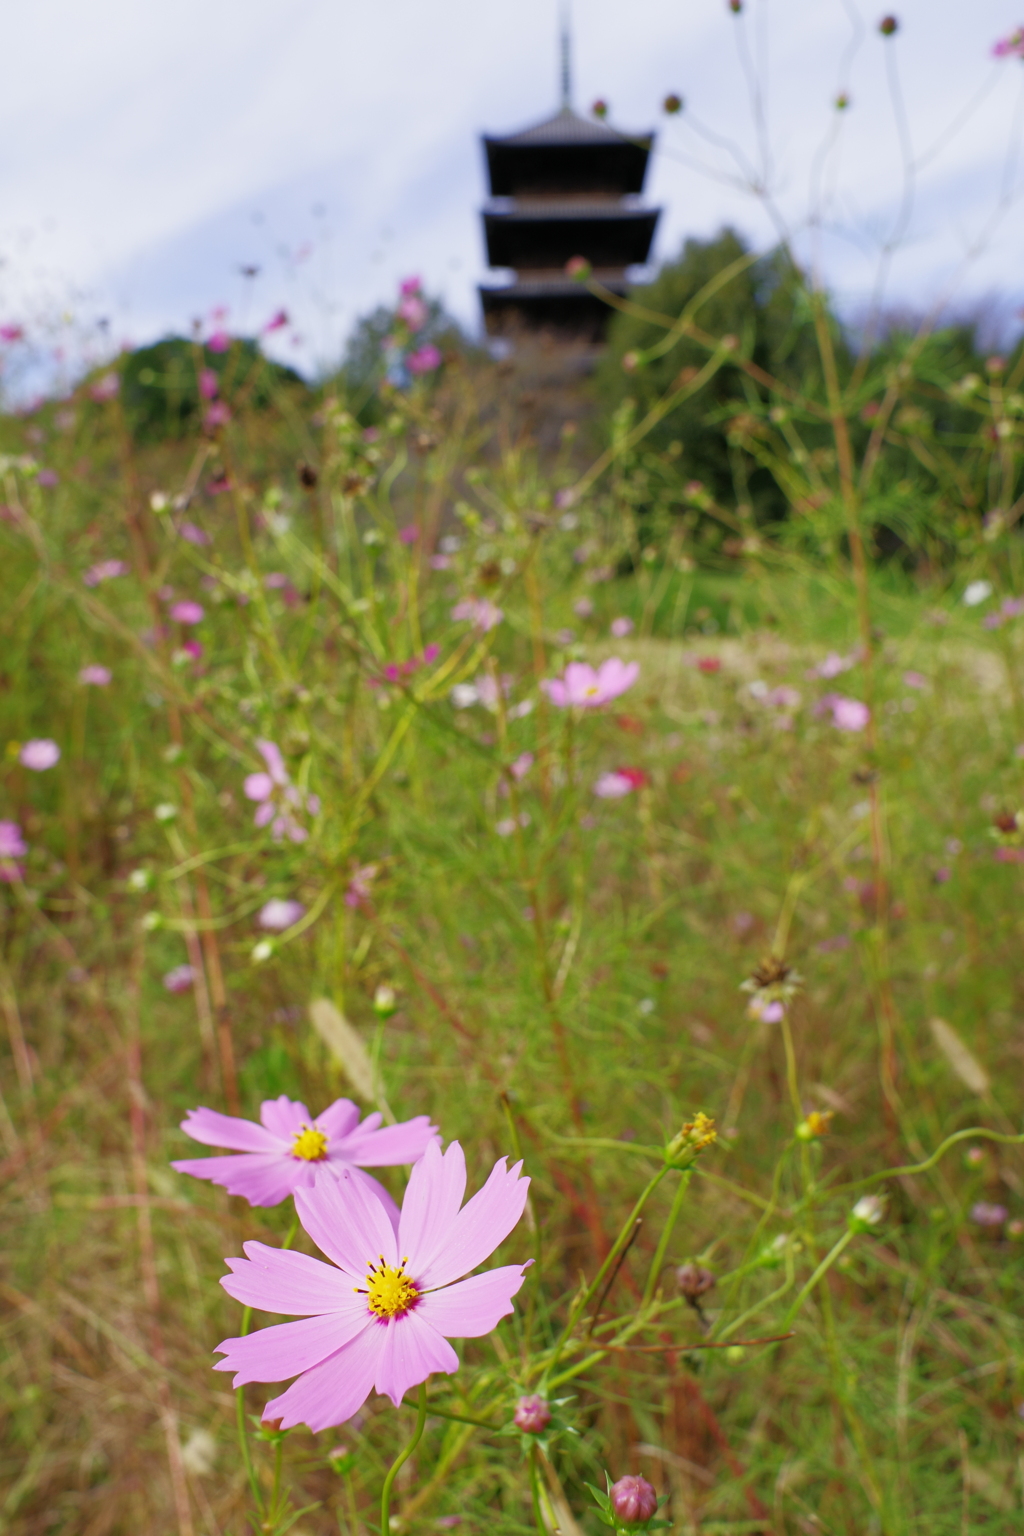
(151, 151)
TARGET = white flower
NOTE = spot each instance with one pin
(976, 592)
(464, 695)
(868, 1212)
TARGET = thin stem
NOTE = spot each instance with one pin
(538, 1513)
(666, 1235)
(401, 1459)
(822, 1270)
(243, 1429)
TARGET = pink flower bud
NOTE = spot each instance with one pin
(634, 1500)
(532, 1415)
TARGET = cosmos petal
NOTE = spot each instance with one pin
(412, 1350)
(274, 1354)
(262, 1178)
(483, 1223)
(390, 1145)
(340, 1119)
(332, 1391)
(470, 1308)
(347, 1222)
(216, 1130)
(436, 1186)
(257, 786)
(277, 1280)
(284, 1116)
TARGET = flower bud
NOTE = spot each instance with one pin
(165, 811)
(672, 104)
(634, 1500)
(869, 1212)
(693, 1281)
(384, 1002)
(262, 951)
(532, 1415)
(600, 108)
(735, 6)
(817, 1124)
(578, 268)
(888, 25)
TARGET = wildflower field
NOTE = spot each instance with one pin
(410, 771)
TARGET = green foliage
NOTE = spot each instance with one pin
(160, 384)
(764, 307)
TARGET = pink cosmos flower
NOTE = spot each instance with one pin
(95, 675)
(105, 570)
(48, 478)
(850, 714)
(586, 688)
(12, 333)
(620, 782)
(39, 754)
(409, 534)
(410, 285)
(278, 914)
(193, 535)
(382, 1318)
(219, 341)
(180, 979)
(276, 322)
(1007, 47)
(105, 388)
(583, 608)
(12, 848)
(915, 680)
(278, 796)
(620, 628)
(521, 766)
(217, 416)
(987, 1215)
(209, 384)
(831, 666)
(359, 885)
(188, 612)
(425, 360)
(479, 611)
(413, 311)
(291, 1150)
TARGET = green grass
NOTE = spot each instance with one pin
(621, 927)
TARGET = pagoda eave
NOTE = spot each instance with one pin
(612, 237)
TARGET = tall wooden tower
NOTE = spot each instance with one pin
(566, 187)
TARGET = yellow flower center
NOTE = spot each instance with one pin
(310, 1145)
(389, 1291)
(592, 691)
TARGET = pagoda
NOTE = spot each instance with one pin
(566, 187)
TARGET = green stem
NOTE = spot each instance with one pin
(822, 1270)
(666, 1235)
(243, 1429)
(535, 1493)
(385, 1497)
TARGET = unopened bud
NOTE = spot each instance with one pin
(384, 1002)
(842, 101)
(888, 25)
(532, 1415)
(735, 6)
(867, 1213)
(578, 268)
(600, 108)
(262, 951)
(693, 1281)
(672, 104)
(631, 361)
(634, 1500)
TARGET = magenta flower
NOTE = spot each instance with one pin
(12, 333)
(1006, 48)
(409, 534)
(12, 848)
(193, 535)
(219, 341)
(217, 416)
(532, 1415)
(278, 914)
(105, 570)
(425, 360)
(48, 478)
(188, 612)
(291, 1150)
(413, 311)
(39, 754)
(521, 766)
(95, 675)
(359, 885)
(634, 1500)
(831, 666)
(622, 627)
(987, 1215)
(278, 796)
(180, 979)
(479, 611)
(209, 384)
(586, 688)
(382, 1319)
(105, 388)
(850, 714)
(276, 322)
(620, 782)
(410, 285)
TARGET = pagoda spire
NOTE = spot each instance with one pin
(566, 60)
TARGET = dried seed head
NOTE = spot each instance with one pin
(694, 1281)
